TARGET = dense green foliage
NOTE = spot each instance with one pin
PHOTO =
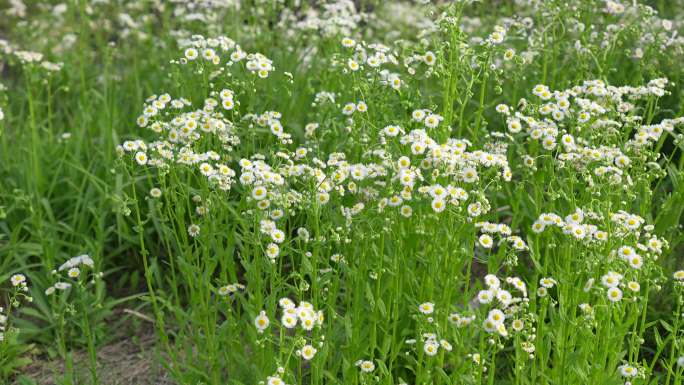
(339, 192)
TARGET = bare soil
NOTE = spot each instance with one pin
(129, 360)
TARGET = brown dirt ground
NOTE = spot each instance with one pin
(129, 360)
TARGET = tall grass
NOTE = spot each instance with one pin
(354, 193)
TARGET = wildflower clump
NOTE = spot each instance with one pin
(344, 192)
